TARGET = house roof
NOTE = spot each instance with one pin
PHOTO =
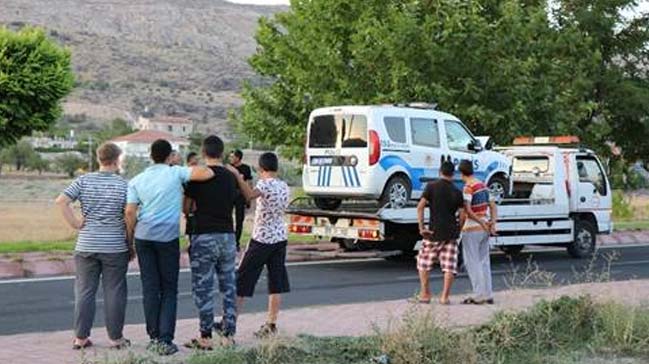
(148, 136)
(170, 120)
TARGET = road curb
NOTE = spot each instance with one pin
(27, 265)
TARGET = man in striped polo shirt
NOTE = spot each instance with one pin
(101, 249)
(480, 218)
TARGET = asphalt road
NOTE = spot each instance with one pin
(38, 305)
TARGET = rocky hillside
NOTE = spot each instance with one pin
(184, 57)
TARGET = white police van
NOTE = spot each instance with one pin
(382, 152)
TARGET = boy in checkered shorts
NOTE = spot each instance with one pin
(444, 201)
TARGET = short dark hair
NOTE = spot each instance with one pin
(466, 167)
(268, 162)
(213, 146)
(238, 153)
(160, 151)
(447, 169)
(191, 155)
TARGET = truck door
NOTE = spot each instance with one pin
(593, 190)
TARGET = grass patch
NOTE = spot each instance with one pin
(36, 246)
(566, 330)
(631, 225)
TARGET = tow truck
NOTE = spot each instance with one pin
(559, 196)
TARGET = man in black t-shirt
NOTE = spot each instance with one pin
(212, 247)
(240, 203)
(444, 200)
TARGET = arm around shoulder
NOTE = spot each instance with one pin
(200, 173)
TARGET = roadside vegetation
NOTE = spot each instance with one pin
(566, 330)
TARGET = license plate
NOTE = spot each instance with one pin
(322, 161)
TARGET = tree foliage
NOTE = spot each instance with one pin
(35, 74)
(505, 67)
(19, 154)
(69, 163)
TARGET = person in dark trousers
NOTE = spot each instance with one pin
(212, 249)
(268, 244)
(444, 201)
(102, 251)
(241, 204)
(154, 203)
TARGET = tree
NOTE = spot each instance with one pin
(38, 163)
(69, 163)
(19, 154)
(35, 74)
(620, 92)
(502, 66)
(132, 166)
(5, 158)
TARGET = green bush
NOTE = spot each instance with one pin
(622, 209)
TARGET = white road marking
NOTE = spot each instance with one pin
(320, 262)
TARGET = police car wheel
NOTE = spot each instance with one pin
(498, 187)
(397, 192)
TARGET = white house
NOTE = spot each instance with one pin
(175, 125)
(138, 144)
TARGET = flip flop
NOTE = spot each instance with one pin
(86, 344)
(417, 300)
(469, 301)
(445, 303)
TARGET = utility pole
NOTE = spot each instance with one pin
(89, 153)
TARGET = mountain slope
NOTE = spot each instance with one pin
(172, 56)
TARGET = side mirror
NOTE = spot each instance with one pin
(475, 146)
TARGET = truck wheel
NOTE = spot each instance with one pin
(585, 238)
(397, 192)
(511, 250)
(498, 186)
(328, 203)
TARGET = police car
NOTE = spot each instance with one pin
(382, 152)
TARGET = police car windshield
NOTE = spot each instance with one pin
(339, 130)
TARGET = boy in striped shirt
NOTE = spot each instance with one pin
(102, 251)
(480, 218)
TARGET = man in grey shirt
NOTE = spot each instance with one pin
(102, 250)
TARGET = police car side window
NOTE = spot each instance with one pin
(425, 132)
(396, 128)
(457, 136)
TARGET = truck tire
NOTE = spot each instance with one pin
(328, 203)
(583, 245)
(397, 192)
(511, 250)
(498, 187)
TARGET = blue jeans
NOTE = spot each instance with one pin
(211, 254)
(159, 265)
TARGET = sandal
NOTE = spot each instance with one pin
(196, 344)
(120, 344)
(445, 303)
(469, 301)
(489, 301)
(86, 344)
(419, 300)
